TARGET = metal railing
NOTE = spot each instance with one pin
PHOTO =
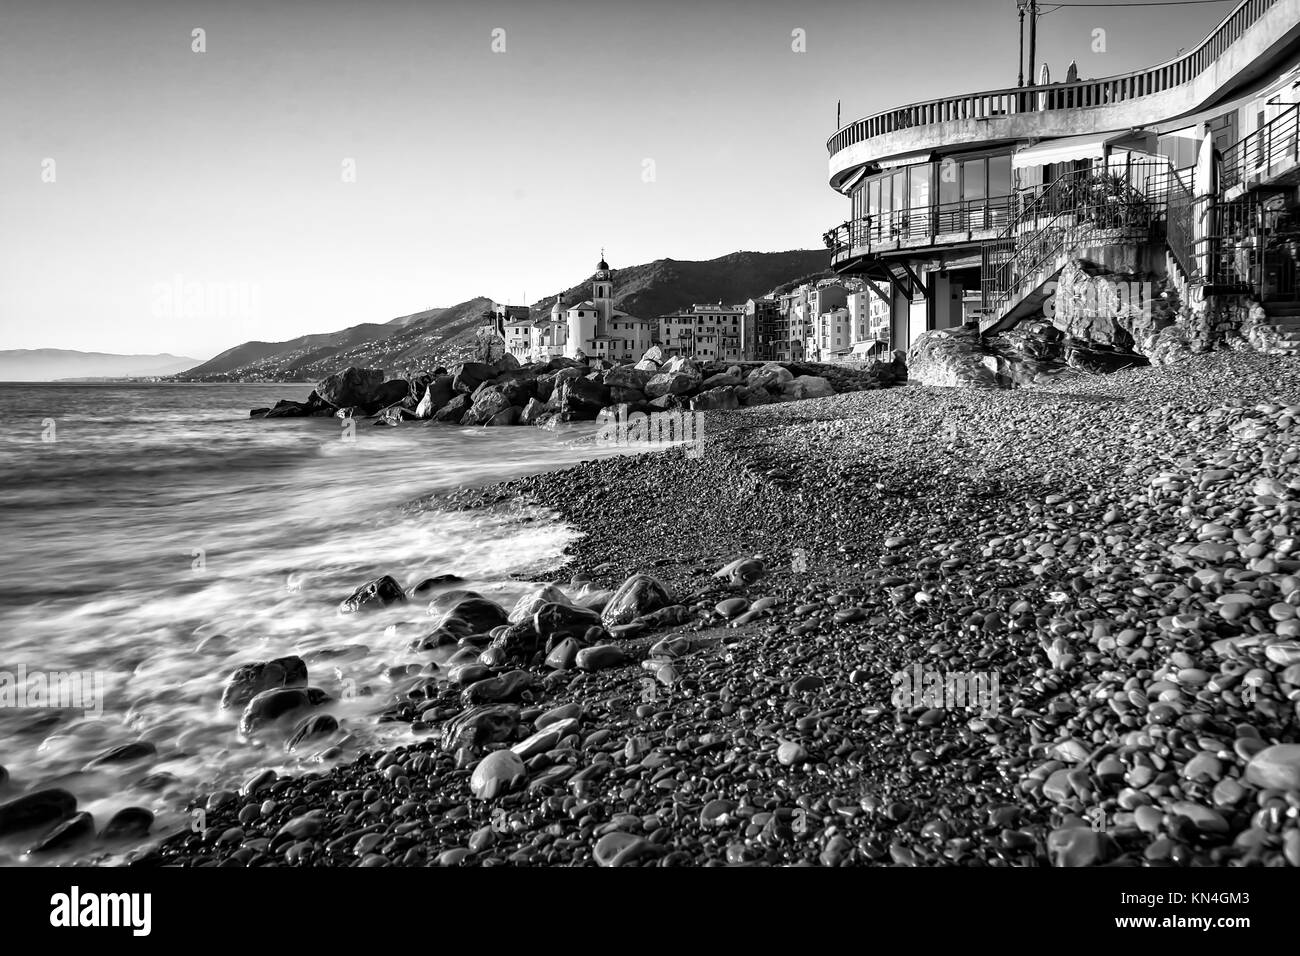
(1251, 249)
(1273, 142)
(926, 224)
(1080, 205)
(1083, 94)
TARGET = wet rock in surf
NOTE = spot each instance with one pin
(480, 726)
(272, 708)
(311, 729)
(438, 637)
(517, 642)
(381, 592)
(78, 828)
(36, 809)
(249, 680)
(507, 687)
(429, 586)
(474, 615)
(528, 604)
(129, 823)
(640, 594)
(556, 621)
(126, 753)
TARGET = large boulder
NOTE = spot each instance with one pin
(654, 354)
(395, 391)
(470, 375)
(627, 377)
(518, 386)
(953, 358)
(249, 680)
(626, 396)
(352, 386)
(808, 386)
(772, 377)
(532, 412)
(437, 393)
(715, 399)
(730, 377)
(489, 402)
(753, 396)
(579, 399)
(454, 410)
(671, 383)
(507, 416)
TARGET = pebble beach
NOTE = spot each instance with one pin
(737, 663)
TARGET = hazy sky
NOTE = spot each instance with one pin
(680, 128)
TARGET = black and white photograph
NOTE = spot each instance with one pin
(541, 435)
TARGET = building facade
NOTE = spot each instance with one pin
(761, 322)
(964, 209)
(710, 333)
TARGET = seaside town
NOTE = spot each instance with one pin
(976, 546)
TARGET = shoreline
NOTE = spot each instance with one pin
(956, 531)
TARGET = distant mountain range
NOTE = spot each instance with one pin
(50, 365)
(418, 342)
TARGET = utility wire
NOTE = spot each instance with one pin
(1141, 3)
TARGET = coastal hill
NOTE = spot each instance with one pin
(416, 342)
(50, 365)
(666, 285)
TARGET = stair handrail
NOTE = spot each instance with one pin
(1028, 252)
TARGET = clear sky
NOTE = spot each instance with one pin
(678, 128)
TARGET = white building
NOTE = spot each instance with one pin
(598, 330)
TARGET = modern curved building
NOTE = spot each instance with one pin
(963, 209)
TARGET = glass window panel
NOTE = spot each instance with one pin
(900, 189)
(999, 176)
(886, 195)
(873, 197)
(919, 178)
(949, 181)
(972, 180)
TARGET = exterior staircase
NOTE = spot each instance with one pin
(1019, 265)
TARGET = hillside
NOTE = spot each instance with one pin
(407, 343)
(420, 341)
(48, 365)
(666, 285)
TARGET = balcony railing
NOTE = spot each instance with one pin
(926, 225)
(1274, 142)
(1083, 94)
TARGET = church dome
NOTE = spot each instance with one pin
(557, 310)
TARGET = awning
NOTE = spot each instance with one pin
(1070, 148)
(846, 187)
(908, 159)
